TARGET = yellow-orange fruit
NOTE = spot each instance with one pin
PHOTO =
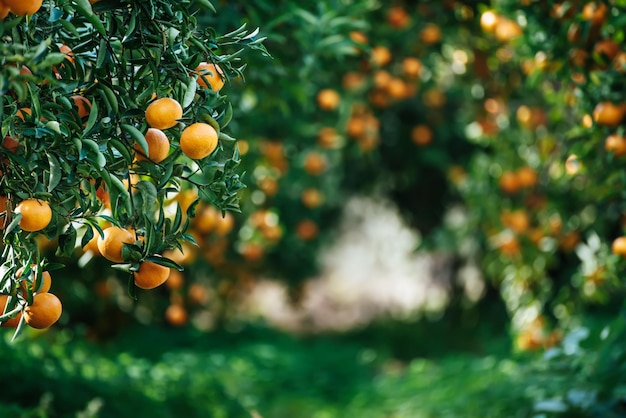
(312, 198)
(36, 214)
(224, 224)
(315, 163)
(306, 230)
(150, 275)
(616, 144)
(211, 74)
(527, 177)
(198, 141)
(46, 280)
(509, 182)
(328, 99)
(158, 146)
(176, 315)
(422, 135)
(176, 280)
(608, 114)
(619, 246)
(9, 323)
(163, 113)
(110, 245)
(4, 10)
(45, 310)
(23, 7)
(83, 105)
(381, 55)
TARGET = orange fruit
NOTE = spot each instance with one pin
(381, 56)
(382, 78)
(34, 286)
(616, 144)
(608, 114)
(45, 310)
(328, 137)
(198, 141)
(431, 34)
(21, 113)
(526, 177)
(607, 48)
(358, 37)
(225, 224)
(328, 99)
(509, 182)
(9, 323)
(158, 146)
(314, 163)
(36, 214)
(197, 294)
(23, 7)
(411, 67)
(10, 144)
(176, 280)
(506, 30)
(4, 10)
(83, 105)
(306, 230)
(110, 245)
(619, 246)
(205, 219)
(3, 208)
(312, 198)
(64, 49)
(397, 88)
(176, 315)
(150, 275)
(510, 247)
(211, 74)
(398, 18)
(352, 80)
(518, 221)
(594, 12)
(251, 251)
(69, 57)
(163, 113)
(422, 135)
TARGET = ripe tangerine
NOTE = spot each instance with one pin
(36, 214)
(45, 310)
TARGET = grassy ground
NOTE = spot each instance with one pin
(183, 373)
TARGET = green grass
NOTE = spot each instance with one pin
(154, 372)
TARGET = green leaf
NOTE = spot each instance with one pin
(207, 4)
(93, 117)
(84, 8)
(55, 172)
(148, 194)
(190, 92)
(14, 223)
(137, 136)
(164, 261)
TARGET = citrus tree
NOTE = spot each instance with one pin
(110, 109)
